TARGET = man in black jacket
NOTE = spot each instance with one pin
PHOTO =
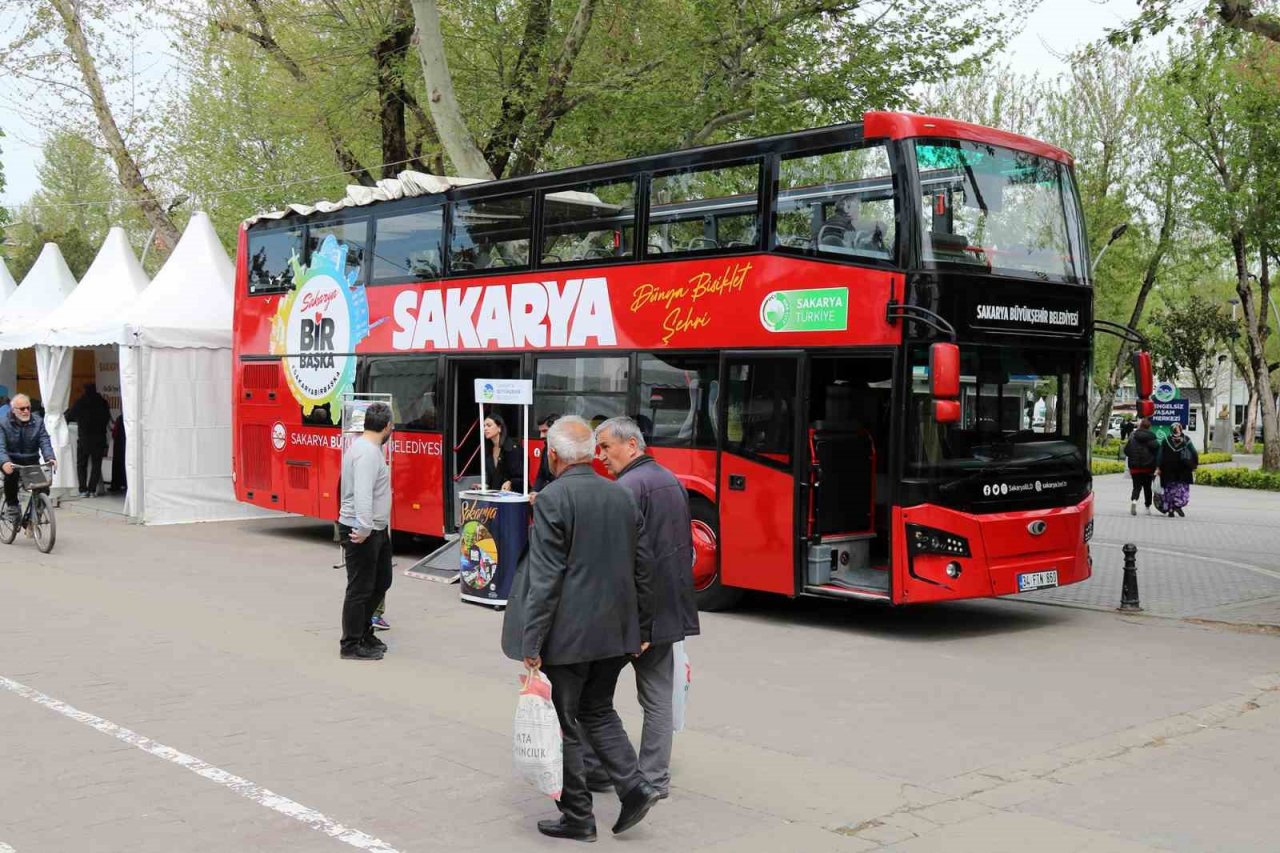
(1141, 450)
(586, 610)
(664, 505)
(92, 413)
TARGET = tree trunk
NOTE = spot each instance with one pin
(518, 90)
(468, 160)
(391, 100)
(1255, 331)
(1107, 395)
(130, 175)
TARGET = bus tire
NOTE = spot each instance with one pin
(708, 592)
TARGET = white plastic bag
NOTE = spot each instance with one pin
(537, 748)
(682, 678)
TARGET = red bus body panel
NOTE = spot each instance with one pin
(1000, 542)
(757, 527)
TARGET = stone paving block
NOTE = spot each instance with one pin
(1016, 793)
(953, 811)
(1004, 832)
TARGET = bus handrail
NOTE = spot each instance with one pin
(462, 471)
(470, 430)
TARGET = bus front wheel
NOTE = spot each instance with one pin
(709, 593)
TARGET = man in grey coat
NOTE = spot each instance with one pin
(667, 537)
(582, 609)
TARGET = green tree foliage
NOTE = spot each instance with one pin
(76, 249)
(75, 181)
(1187, 336)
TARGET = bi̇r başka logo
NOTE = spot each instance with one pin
(317, 327)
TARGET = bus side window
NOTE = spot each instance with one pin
(840, 203)
(411, 382)
(704, 210)
(269, 253)
(678, 395)
(593, 388)
(588, 222)
(354, 236)
(408, 247)
(491, 233)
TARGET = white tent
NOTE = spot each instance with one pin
(45, 288)
(93, 315)
(8, 359)
(176, 380)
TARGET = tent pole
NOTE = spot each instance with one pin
(142, 493)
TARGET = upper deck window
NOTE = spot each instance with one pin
(269, 254)
(409, 247)
(839, 204)
(704, 210)
(589, 222)
(997, 210)
(354, 236)
(491, 234)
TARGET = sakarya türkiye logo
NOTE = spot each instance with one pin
(318, 325)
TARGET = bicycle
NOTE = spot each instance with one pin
(36, 518)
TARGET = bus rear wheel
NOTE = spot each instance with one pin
(709, 593)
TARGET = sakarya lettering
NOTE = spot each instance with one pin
(533, 314)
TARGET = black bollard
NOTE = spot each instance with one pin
(1129, 588)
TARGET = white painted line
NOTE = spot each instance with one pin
(1143, 549)
(243, 787)
(5, 848)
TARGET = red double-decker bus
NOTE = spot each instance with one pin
(864, 349)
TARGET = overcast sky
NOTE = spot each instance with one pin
(1054, 30)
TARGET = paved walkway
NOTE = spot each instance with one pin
(178, 688)
(1221, 562)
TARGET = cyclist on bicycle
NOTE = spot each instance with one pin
(23, 440)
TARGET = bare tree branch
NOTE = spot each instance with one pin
(1239, 15)
(131, 178)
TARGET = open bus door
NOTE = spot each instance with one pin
(464, 439)
(760, 454)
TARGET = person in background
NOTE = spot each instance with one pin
(1141, 450)
(4, 402)
(118, 480)
(544, 477)
(584, 608)
(92, 413)
(1126, 429)
(1177, 461)
(23, 440)
(502, 464)
(363, 516)
(667, 537)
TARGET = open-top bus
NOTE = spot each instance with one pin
(864, 349)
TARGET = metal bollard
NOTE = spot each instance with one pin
(1129, 588)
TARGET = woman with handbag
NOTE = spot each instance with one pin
(1177, 461)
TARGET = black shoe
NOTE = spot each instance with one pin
(362, 653)
(635, 806)
(372, 642)
(563, 829)
(1180, 513)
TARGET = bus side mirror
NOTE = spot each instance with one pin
(1146, 408)
(944, 370)
(1143, 377)
(946, 411)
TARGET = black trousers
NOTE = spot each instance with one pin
(368, 579)
(1142, 484)
(583, 696)
(90, 458)
(117, 464)
(11, 487)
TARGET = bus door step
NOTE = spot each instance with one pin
(441, 565)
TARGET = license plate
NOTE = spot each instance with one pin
(1037, 580)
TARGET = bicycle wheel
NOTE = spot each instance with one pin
(8, 526)
(44, 527)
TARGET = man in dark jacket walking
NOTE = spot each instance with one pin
(585, 603)
(23, 440)
(1141, 450)
(664, 504)
(92, 413)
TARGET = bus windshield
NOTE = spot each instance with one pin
(1003, 211)
(1020, 411)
